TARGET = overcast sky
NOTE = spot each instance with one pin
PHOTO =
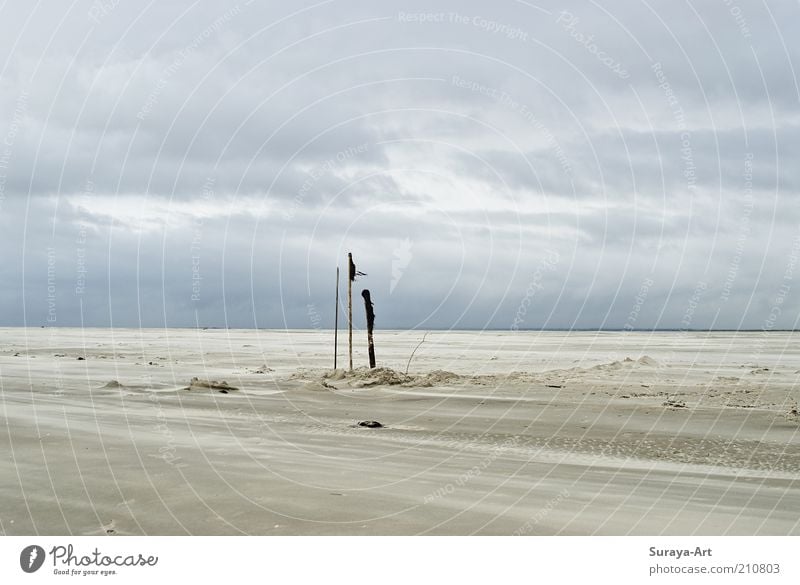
(509, 165)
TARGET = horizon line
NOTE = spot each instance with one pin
(432, 329)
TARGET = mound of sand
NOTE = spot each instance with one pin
(220, 386)
(615, 365)
(434, 378)
(644, 361)
(113, 384)
(336, 375)
(366, 377)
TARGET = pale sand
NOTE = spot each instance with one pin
(532, 433)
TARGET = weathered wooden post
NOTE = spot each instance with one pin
(370, 324)
(352, 277)
(336, 323)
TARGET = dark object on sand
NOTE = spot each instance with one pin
(80, 357)
(370, 424)
(674, 403)
(370, 325)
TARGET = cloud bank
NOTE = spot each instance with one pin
(520, 165)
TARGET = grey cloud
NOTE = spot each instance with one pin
(448, 148)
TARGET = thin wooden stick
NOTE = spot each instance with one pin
(411, 357)
(336, 323)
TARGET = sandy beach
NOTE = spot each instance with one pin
(532, 433)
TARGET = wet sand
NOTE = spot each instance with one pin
(489, 433)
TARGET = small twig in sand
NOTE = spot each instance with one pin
(411, 357)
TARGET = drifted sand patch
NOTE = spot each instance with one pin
(201, 384)
(366, 377)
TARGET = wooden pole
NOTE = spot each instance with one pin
(370, 324)
(336, 323)
(351, 278)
